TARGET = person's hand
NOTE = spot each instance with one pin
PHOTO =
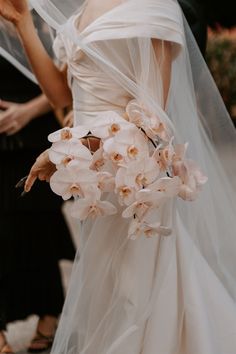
(13, 10)
(42, 169)
(68, 121)
(13, 117)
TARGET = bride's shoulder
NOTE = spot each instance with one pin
(98, 8)
(95, 9)
(104, 5)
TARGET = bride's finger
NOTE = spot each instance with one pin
(4, 104)
(30, 182)
(21, 182)
(42, 176)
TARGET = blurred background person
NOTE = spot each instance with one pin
(29, 272)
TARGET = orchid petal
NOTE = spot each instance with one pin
(68, 133)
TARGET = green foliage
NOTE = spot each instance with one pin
(221, 58)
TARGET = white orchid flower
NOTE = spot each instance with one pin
(125, 193)
(164, 155)
(169, 187)
(145, 200)
(191, 177)
(73, 182)
(153, 126)
(106, 181)
(98, 160)
(134, 113)
(92, 207)
(68, 133)
(67, 151)
(180, 152)
(138, 174)
(109, 125)
(142, 228)
(127, 145)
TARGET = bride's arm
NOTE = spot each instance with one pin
(52, 81)
(163, 55)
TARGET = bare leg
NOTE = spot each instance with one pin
(4, 346)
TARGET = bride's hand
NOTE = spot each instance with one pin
(43, 169)
(14, 10)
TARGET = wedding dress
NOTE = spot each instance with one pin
(163, 295)
(145, 296)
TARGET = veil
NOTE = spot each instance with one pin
(119, 41)
(11, 48)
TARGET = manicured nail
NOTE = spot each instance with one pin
(21, 182)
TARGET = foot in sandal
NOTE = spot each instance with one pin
(44, 336)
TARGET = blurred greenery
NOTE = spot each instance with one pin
(221, 58)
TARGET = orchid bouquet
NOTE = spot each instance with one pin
(136, 160)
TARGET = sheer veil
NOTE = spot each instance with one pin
(11, 48)
(120, 43)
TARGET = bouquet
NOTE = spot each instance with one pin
(137, 161)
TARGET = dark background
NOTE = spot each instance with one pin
(221, 12)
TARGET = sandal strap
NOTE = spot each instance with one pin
(40, 335)
(41, 338)
(41, 341)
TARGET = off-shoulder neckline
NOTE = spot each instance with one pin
(77, 16)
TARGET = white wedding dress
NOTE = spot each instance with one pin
(149, 296)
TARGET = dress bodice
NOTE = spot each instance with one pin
(93, 90)
(93, 86)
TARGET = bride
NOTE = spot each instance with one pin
(165, 295)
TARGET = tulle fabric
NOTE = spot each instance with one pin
(161, 294)
(11, 47)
